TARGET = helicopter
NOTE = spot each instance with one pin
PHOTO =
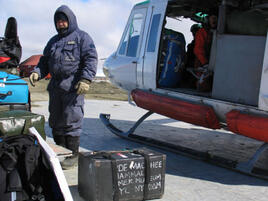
(237, 96)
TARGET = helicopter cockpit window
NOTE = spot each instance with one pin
(153, 33)
(130, 43)
(122, 50)
(134, 35)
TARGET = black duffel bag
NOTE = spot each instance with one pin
(10, 48)
(25, 171)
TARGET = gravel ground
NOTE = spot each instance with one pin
(186, 179)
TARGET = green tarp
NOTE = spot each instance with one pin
(17, 122)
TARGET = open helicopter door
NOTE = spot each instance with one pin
(263, 95)
(155, 18)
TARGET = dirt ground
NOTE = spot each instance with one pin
(98, 90)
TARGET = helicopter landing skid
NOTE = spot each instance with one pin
(242, 167)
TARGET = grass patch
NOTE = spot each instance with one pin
(97, 90)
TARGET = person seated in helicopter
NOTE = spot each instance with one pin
(189, 60)
(190, 56)
(203, 41)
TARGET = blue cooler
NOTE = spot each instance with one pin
(174, 55)
(13, 90)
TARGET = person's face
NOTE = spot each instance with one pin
(62, 24)
(213, 21)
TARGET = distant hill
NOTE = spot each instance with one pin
(100, 89)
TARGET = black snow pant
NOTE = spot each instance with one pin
(66, 113)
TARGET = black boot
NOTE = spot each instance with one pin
(72, 143)
(60, 140)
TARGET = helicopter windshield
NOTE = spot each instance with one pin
(130, 43)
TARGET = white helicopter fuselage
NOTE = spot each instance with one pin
(239, 62)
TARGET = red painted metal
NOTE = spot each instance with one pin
(248, 125)
(27, 66)
(197, 114)
(4, 59)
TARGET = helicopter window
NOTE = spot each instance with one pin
(182, 25)
(134, 34)
(122, 50)
(130, 43)
(153, 33)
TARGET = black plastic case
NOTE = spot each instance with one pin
(121, 175)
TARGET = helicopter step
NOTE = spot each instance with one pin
(249, 158)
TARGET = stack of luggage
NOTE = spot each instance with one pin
(13, 90)
(25, 170)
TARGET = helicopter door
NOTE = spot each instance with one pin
(263, 95)
(129, 49)
(152, 44)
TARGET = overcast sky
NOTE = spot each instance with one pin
(104, 20)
